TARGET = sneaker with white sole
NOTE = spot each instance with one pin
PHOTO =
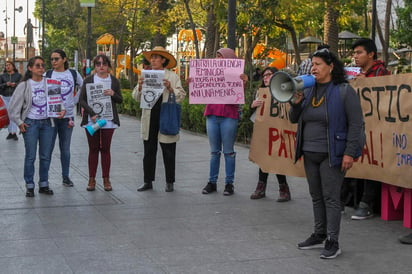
(363, 212)
(331, 250)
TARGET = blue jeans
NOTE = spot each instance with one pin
(222, 132)
(12, 127)
(37, 131)
(62, 129)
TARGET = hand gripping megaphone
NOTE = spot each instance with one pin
(283, 86)
(96, 126)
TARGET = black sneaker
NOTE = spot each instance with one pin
(209, 188)
(30, 192)
(331, 250)
(10, 136)
(14, 137)
(363, 212)
(314, 241)
(228, 190)
(67, 182)
(46, 190)
(407, 239)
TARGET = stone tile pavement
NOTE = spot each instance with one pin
(125, 231)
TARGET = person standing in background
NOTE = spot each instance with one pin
(365, 56)
(71, 80)
(8, 82)
(260, 192)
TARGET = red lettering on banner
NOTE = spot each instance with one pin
(284, 147)
(372, 151)
(262, 108)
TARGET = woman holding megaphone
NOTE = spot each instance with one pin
(99, 136)
(329, 137)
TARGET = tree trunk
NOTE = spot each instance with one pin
(231, 22)
(193, 27)
(211, 31)
(331, 28)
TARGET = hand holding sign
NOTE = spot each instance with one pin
(216, 81)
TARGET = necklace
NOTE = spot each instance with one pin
(319, 103)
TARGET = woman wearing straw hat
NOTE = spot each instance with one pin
(160, 59)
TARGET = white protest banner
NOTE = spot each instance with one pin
(216, 81)
(152, 87)
(351, 72)
(100, 103)
(54, 98)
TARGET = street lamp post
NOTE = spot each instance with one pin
(14, 40)
(6, 45)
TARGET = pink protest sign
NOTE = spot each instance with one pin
(216, 81)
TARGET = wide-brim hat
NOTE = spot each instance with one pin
(162, 52)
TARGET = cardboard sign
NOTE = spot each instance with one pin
(387, 155)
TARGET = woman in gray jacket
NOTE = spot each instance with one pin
(28, 109)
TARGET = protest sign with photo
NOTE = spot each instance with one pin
(100, 103)
(387, 155)
(152, 87)
(54, 98)
(216, 81)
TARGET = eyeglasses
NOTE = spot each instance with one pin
(267, 75)
(55, 59)
(98, 64)
(38, 65)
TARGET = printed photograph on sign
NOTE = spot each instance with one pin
(152, 87)
(100, 103)
(54, 98)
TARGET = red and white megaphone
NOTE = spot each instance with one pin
(283, 86)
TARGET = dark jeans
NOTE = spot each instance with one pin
(64, 132)
(263, 177)
(325, 184)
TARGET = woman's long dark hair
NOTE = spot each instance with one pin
(13, 65)
(62, 55)
(28, 75)
(338, 72)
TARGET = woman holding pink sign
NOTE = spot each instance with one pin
(221, 126)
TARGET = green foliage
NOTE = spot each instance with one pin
(192, 115)
(402, 35)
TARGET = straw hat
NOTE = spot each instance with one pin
(162, 52)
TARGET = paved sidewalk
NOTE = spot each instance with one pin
(125, 231)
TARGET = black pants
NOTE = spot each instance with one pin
(150, 150)
(263, 177)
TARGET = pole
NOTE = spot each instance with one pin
(14, 31)
(43, 9)
(89, 34)
(6, 46)
(373, 30)
(27, 40)
(231, 22)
